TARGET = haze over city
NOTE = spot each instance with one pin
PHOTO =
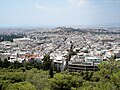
(20, 13)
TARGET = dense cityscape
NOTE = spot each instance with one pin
(88, 45)
(60, 51)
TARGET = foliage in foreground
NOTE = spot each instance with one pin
(107, 78)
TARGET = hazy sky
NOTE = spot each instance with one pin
(59, 12)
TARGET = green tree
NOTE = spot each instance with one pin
(21, 86)
(17, 65)
(1, 62)
(47, 62)
(38, 78)
(5, 63)
(97, 86)
(38, 65)
(51, 71)
(115, 79)
(61, 82)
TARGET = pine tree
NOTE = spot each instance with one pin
(51, 71)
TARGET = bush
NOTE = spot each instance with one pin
(38, 78)
(21, 86)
